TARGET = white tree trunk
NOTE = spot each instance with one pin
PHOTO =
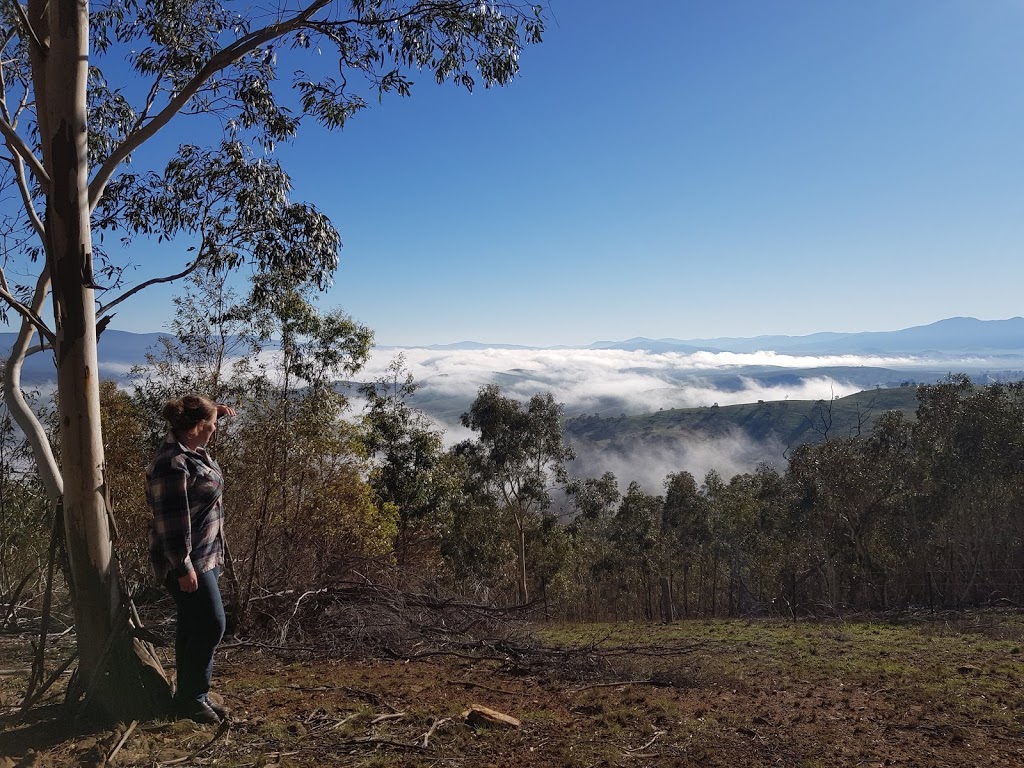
(22, 414)
(110, 676)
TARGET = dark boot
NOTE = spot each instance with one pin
(218, 707)
(196, 710)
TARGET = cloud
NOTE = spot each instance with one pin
(587, 380)
(649, 462)
(610, 382)
(115, 370)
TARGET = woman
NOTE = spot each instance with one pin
(184, 486)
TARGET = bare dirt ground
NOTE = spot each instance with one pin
(939, 691)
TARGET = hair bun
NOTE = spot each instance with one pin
(186, 411)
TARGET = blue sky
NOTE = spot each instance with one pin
(688, 169)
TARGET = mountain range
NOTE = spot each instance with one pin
(953, 336)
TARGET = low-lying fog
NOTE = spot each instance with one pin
(614, 382)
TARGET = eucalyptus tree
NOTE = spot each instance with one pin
(411, 472)
(518, 457)
(638, 546)
(83, 91)
(969, 442)
(853, 488)
(593, 502)
(685, 522)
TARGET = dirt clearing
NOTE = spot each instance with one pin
(930, 692)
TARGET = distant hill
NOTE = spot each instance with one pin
(787, 423)
(465, 345)
(446, 403)
(118, 352)
(654, 345)
(955, 335)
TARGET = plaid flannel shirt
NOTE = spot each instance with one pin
(184, 490)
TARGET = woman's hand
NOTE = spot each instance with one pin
(189, 582)
(225, 410)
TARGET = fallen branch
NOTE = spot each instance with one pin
(37, 694)
(284, 630)
(13, 607)
(373, 698)
(650, 650)
(267, 647)
(39, 664)
(427, 654)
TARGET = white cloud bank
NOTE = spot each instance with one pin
(611, 382)
(632, 381)
(650, 462)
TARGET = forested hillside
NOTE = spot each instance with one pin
(890, 499)
(792, 422)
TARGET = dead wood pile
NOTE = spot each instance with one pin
(360, 617)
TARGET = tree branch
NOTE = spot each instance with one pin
(18, 146)
(219, 61)
(150, 100)
(23, 16)
(16, 160)
(27, 313)
(156, 280)
(46, 462)
(14, 141)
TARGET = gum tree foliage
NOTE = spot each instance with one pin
(516, 460)
(592, 503)
(83, 89)
(411, 473)
(293, 464)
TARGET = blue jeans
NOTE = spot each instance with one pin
(200, 628)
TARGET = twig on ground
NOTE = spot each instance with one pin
(344, 720)
(434, 726)
(128, 732)
(225, 726)
(385, 718)
(373, 698)
(471, 684)
(372, 741)
(618, 684)
(654, 738)
(297, 687)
